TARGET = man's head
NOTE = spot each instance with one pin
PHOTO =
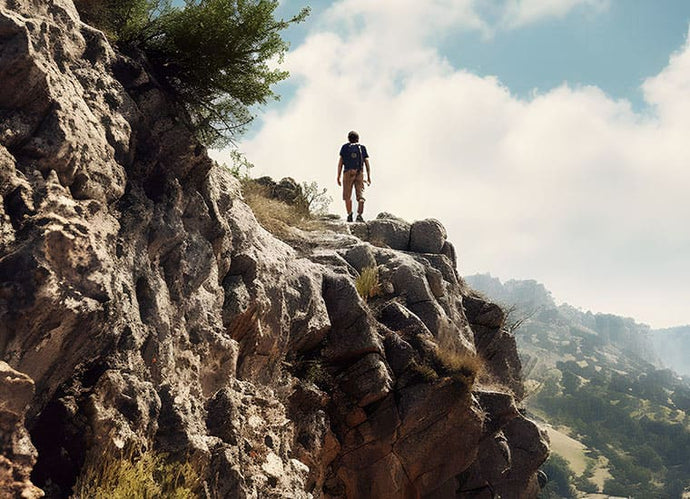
(353, 136)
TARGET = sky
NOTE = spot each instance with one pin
(550, 137)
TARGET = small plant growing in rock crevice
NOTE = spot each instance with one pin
(463, 367)
(310, 367)
(367, 283)
(422, 371)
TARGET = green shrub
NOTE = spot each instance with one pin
(314, 199)
(367, 283)
(216, 57)
(240, 166)
(149, 475)
(560, 478)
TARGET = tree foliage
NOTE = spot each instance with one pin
(648, 453)
(560, 478)
(216, 57)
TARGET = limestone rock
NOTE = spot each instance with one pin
(360, 257)
(256, 442)
(448, 250)
(17, 453)
(427, 236)
(388, 232)
(495, 343)
(353, 333)
(367, 380)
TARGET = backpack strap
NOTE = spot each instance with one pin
(361, 158)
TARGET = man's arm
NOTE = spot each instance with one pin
(366, 162)
(340, 168)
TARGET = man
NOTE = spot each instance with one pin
(353, 157)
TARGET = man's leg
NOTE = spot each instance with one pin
(359, 191)
(348, 179)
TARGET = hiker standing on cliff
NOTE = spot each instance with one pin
(353, 156)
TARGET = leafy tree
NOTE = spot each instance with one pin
(216, 57)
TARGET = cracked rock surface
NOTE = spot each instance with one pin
(143, 306)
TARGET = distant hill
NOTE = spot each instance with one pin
(597, 378)
(563, 329)
(673, 346)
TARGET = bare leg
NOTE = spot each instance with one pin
(348, 206)
(360, 207)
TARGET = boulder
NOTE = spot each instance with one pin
(399, 353)
(389, 233)
(482, 313)
(353, 333)
(288, 191)
(448, 250)
(360, 257)
(427, 236)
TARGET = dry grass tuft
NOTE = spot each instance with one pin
(425, 373)
(367, 283)
(276, 216)
(463, 367)
(147, 475)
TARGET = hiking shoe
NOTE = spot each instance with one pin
(349, 217)
(359, 217)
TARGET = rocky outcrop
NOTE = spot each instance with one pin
(150, 310)
(17, 453)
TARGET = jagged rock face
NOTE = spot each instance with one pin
(17, 453)
(141, 297)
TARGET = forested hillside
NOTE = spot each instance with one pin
(673, 345)
(597, 378)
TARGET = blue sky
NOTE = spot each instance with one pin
(549, 136)
(614, 48)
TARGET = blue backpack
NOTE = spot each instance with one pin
(354, 158)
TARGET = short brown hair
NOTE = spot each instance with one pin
(353, 136)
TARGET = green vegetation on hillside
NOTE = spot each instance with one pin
(598, 375)
(560, 479)
(216, 57)
(628, 420)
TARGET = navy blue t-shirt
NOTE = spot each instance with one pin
(352, 159)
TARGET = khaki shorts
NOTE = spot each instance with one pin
(353, 178)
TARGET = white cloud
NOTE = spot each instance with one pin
(669, 90)
(405, 20)
(518, 13)
(570, 187)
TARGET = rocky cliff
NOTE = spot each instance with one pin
(144, 308)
